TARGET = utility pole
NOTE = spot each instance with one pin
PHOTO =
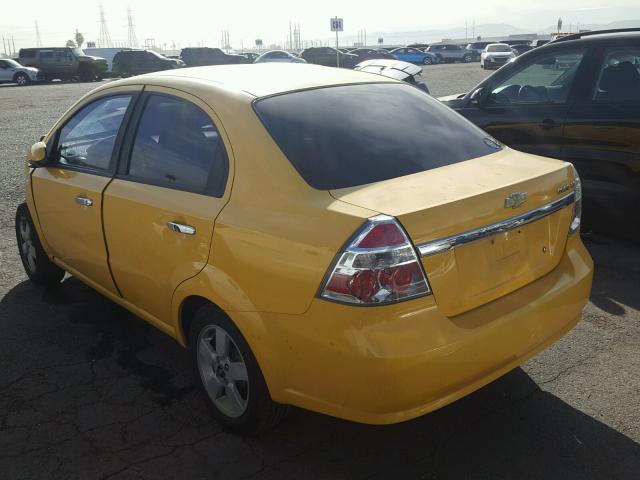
(4, 46)
(466, 29)
(14, 45)
(38, 40)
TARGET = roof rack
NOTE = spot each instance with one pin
(575, 36)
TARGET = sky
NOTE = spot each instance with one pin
(197, 22)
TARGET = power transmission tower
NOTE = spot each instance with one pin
(105, 39)
(38, 39)
(132, 40)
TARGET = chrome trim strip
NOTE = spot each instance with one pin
(448, 243)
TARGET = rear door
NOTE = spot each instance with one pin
(68, 190)
(602, 139)
(527, 109)
(160, 209)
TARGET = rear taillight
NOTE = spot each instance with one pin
(380, 266)
(577, 206)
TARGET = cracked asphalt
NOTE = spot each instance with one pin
(88, 391)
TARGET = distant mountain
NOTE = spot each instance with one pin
(595, 26)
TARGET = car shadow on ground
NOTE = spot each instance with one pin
(87, 390)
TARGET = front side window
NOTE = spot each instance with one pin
(88, 139)
(178, 146)
(351, 135)
(46, 54)
(619, 77)
(547, 80)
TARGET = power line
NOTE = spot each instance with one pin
(38, 39)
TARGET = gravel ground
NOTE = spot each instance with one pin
(88, 391)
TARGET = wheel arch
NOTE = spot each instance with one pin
(191, 296)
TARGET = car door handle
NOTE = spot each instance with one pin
(84, 201)
(548, 123)
(181, 228)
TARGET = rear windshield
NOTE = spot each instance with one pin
(351, 135)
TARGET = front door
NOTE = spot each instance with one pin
(527, 110)
(160, 210)
(68, 190)
(6, 72)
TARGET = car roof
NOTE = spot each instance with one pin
(261, 79)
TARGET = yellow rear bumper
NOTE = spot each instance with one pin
(389, 364)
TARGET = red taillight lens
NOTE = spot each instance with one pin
(382, 235)
(379, 267)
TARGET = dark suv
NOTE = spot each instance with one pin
(199, 56)
(327, 56)
(577, 99)
(136, 62)
(64, 63)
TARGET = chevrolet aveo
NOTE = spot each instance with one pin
(316, 237)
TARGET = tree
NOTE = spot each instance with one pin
(79, 38)
(71, 44)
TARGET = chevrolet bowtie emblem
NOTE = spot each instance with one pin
(515, 199)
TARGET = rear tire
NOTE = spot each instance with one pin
(229, 375)
(37, 265)
(21, 79)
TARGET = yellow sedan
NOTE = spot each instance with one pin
(316, 237)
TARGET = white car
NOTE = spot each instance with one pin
(12, 72)
(279, 56)
(496, 55)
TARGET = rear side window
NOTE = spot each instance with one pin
(619, 79)
(178, 146)
(351, 135)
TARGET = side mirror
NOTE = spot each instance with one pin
(38, 152)
(477, 96)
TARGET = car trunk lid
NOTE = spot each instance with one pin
(508, 242)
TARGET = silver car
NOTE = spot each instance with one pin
(279, 56)
(12, 72)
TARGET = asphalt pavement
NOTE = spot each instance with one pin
(88, 391)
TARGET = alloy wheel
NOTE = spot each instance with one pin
(223, 371)
(27, 246)
(21, 80)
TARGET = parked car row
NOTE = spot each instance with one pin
(49, 63)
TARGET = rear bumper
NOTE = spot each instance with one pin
(389, 364)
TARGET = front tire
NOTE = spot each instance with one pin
(229, 375)
(87, 74)
(427, 61)
(37, 265)
(21, 79)
(467, 58)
